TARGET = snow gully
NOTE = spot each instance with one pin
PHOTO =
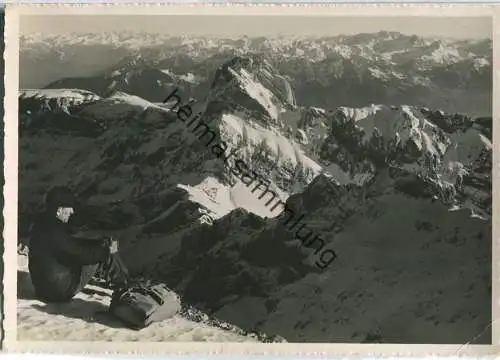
(249, 177)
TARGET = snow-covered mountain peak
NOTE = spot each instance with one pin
(253, 84)
(444, 54)
(442, 148)
(40, 101)
(62, 98)
(68, 94)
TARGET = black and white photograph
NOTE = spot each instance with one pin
(255, 179)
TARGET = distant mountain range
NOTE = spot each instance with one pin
(376, 138)
(384, 67)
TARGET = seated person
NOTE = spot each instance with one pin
(60, 264)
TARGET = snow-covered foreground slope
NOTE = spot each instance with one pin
(86, 318)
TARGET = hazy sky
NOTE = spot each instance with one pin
(452, 27)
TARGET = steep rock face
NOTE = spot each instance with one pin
(252, 109)
(268, 152)
(252, 83)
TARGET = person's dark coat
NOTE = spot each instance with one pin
(60, 265)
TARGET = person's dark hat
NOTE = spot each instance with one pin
(61, 196)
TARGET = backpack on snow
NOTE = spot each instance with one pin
(141, 305)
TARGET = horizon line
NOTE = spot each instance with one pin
(252, 26)
(240, 36)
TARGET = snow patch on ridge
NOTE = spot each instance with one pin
(119, 106)
(378, 74)
(211, 194)
(221, 199)
(357, 114)
(130, 99)
(480, 63)
(188, 77)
